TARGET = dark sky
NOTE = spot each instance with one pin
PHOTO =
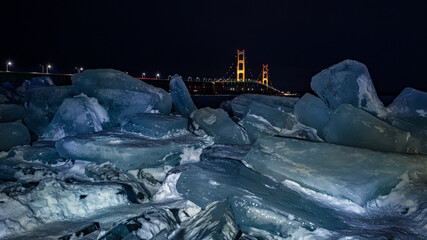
(200, 38)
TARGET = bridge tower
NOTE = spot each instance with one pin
(265, 74)
(240, 76)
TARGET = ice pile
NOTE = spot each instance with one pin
(350, 113)
(36, 82)
(107, 159)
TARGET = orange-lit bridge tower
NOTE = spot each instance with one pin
(265, 74)
(240, 73)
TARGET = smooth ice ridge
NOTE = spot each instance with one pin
(155, 125)
(348, 82)
(181, 97)
(352, 126)
(13, 134)
(76, 116)
(217, 123)
(356, 174)
(126, 150)
(11, 112)
(91, 80)
(240, 104)
(53, 201)
(42, 104)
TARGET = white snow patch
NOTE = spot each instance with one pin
(168, 189)
(190, 155)
(422, 113)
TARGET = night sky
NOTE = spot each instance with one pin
(200, 38)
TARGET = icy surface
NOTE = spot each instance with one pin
(181, 97)
(348, 82)
(90, 81)
(126, 150)
(76, 116)
(240, 103)
(155, 125)
(312, 111)
(11, 112)
(352, 126)
(217, 123)
(42, 104)
(356, 174)
(13, 134)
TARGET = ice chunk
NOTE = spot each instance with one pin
(91, 80)
(409, 112)
(8, 96)
(256, 200)
(155, 125)
(181, 97)
(240, 103)
(11, 112)
(43, 151)
(126, 150)
(312, 111)
(215, 222)
(43, 81)
(42, 104)
(76, 116)
(352, 126)
(343, 172)
(13, 134)
(120, 103)
(348, 82)
(217, 123)
(261, 119)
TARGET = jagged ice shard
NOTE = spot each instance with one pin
(348, 82)
(181, 97)
(76, 116)
(355, 174)
(217, 123)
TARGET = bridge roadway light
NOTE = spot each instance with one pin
(8, 63)
(158, 76)
(143, 75)
(48, 67)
